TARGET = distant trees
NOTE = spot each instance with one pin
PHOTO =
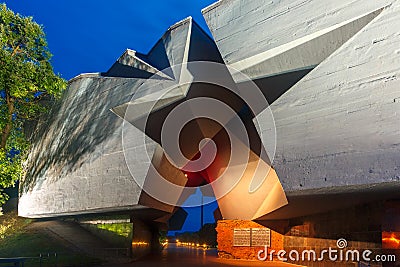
(206, 235)
(27, 83)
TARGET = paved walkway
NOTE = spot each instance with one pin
(173, 256)
(79, 239)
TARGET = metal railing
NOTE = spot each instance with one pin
(20, 261)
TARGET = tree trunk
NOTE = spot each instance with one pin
(7, 129)
(10, 104)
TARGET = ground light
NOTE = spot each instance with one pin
(186, 244)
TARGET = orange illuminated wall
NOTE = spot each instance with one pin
(225, 240)
(391, 225)
(391, 240)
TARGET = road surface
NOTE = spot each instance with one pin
(179, 256)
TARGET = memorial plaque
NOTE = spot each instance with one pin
(260, 237)
(241, 237)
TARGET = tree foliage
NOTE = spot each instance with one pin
(27, 83)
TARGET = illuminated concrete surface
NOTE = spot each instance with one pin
(337, 128)
(77, 164)
(85, 161)
(329, 70)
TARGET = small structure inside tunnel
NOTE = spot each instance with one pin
(289, 117)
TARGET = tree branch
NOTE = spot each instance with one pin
(15, 50)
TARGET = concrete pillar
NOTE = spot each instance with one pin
(141, 239)
(145, 239)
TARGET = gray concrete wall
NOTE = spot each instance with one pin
(77, 163)
(243, 28)
(339, 125)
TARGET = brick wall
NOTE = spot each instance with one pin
(225, 229)
(225, 240)
(300, 244)
(360, 223)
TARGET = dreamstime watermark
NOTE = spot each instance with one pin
(338, 254)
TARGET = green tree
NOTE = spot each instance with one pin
(27, 83)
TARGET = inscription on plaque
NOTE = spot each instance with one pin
(260, 237)
(241, 237)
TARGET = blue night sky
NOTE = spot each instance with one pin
(193, 221)
(89, 36)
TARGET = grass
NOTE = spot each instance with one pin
(18, 240)
(121, 229)
(10, 224)
(117, 234)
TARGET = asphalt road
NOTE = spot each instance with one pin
(178, 256)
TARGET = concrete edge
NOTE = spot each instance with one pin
(84, 212)
(85, 75)
(178, 24)
(132, 53)
(212, 6)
